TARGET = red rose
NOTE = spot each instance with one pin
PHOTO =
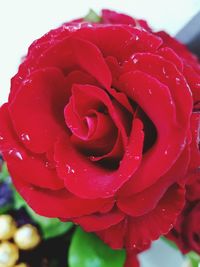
(186, 233)
(97, 129)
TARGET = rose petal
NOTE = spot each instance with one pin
(180, 49)
(22, 164)
(88, 180)
(37, 109)
(156, 101)
(147, 200)
(193, 80)
(72, 52)
(58, 203)
(99, 222)
(137, 233)
(171, 56)
(165, 72)
(114, 236)
(131, 259)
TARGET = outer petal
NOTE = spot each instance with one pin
(58, 203)
(72, 53)
(156, 101)
(193, 183)
(37, 109)
(138, 232)
(131, 259)
(99, 222)
(114, 236)
(180, 49)
(21, 163)
(166, 72)
(193, 80)
(112, 17)
(147, 200)
(171, 56)
(120, 41)
(158, 222)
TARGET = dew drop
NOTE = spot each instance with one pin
(165, 72)
(92, 158)
(135, 60)
(15, 154)
(50, 165)
(69, 169)
(166, 152)
(1, 138)
(178, 80)
(150, 92)
(163, 210)
(27, 81)
(25, 137)
(137, 38)
(137, 157)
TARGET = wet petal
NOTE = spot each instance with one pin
(21, 163)
(58, 203)
(99, 222)
(37, 109)
(156, 101)
(89, 180)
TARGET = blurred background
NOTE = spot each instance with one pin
(23, 21)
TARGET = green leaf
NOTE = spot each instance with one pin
(87, 250)
(194, 259)
(5, 208)
(92, 17)
(50, 227)
(4, 173)
(18, 200)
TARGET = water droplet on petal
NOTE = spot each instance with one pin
(49, 165)
(150, 92)
(16, 154)
(1, 138)
(27, 81)
(165, 72)
(198, 84)
(25, 137)
(137, 157)
(69, 169)
(178, 80)
(166, 152)
(135, 60)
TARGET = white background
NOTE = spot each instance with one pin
(22, 21)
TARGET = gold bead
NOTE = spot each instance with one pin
(9, 254)
(7, 227)
(21, 265)
(27, 237)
